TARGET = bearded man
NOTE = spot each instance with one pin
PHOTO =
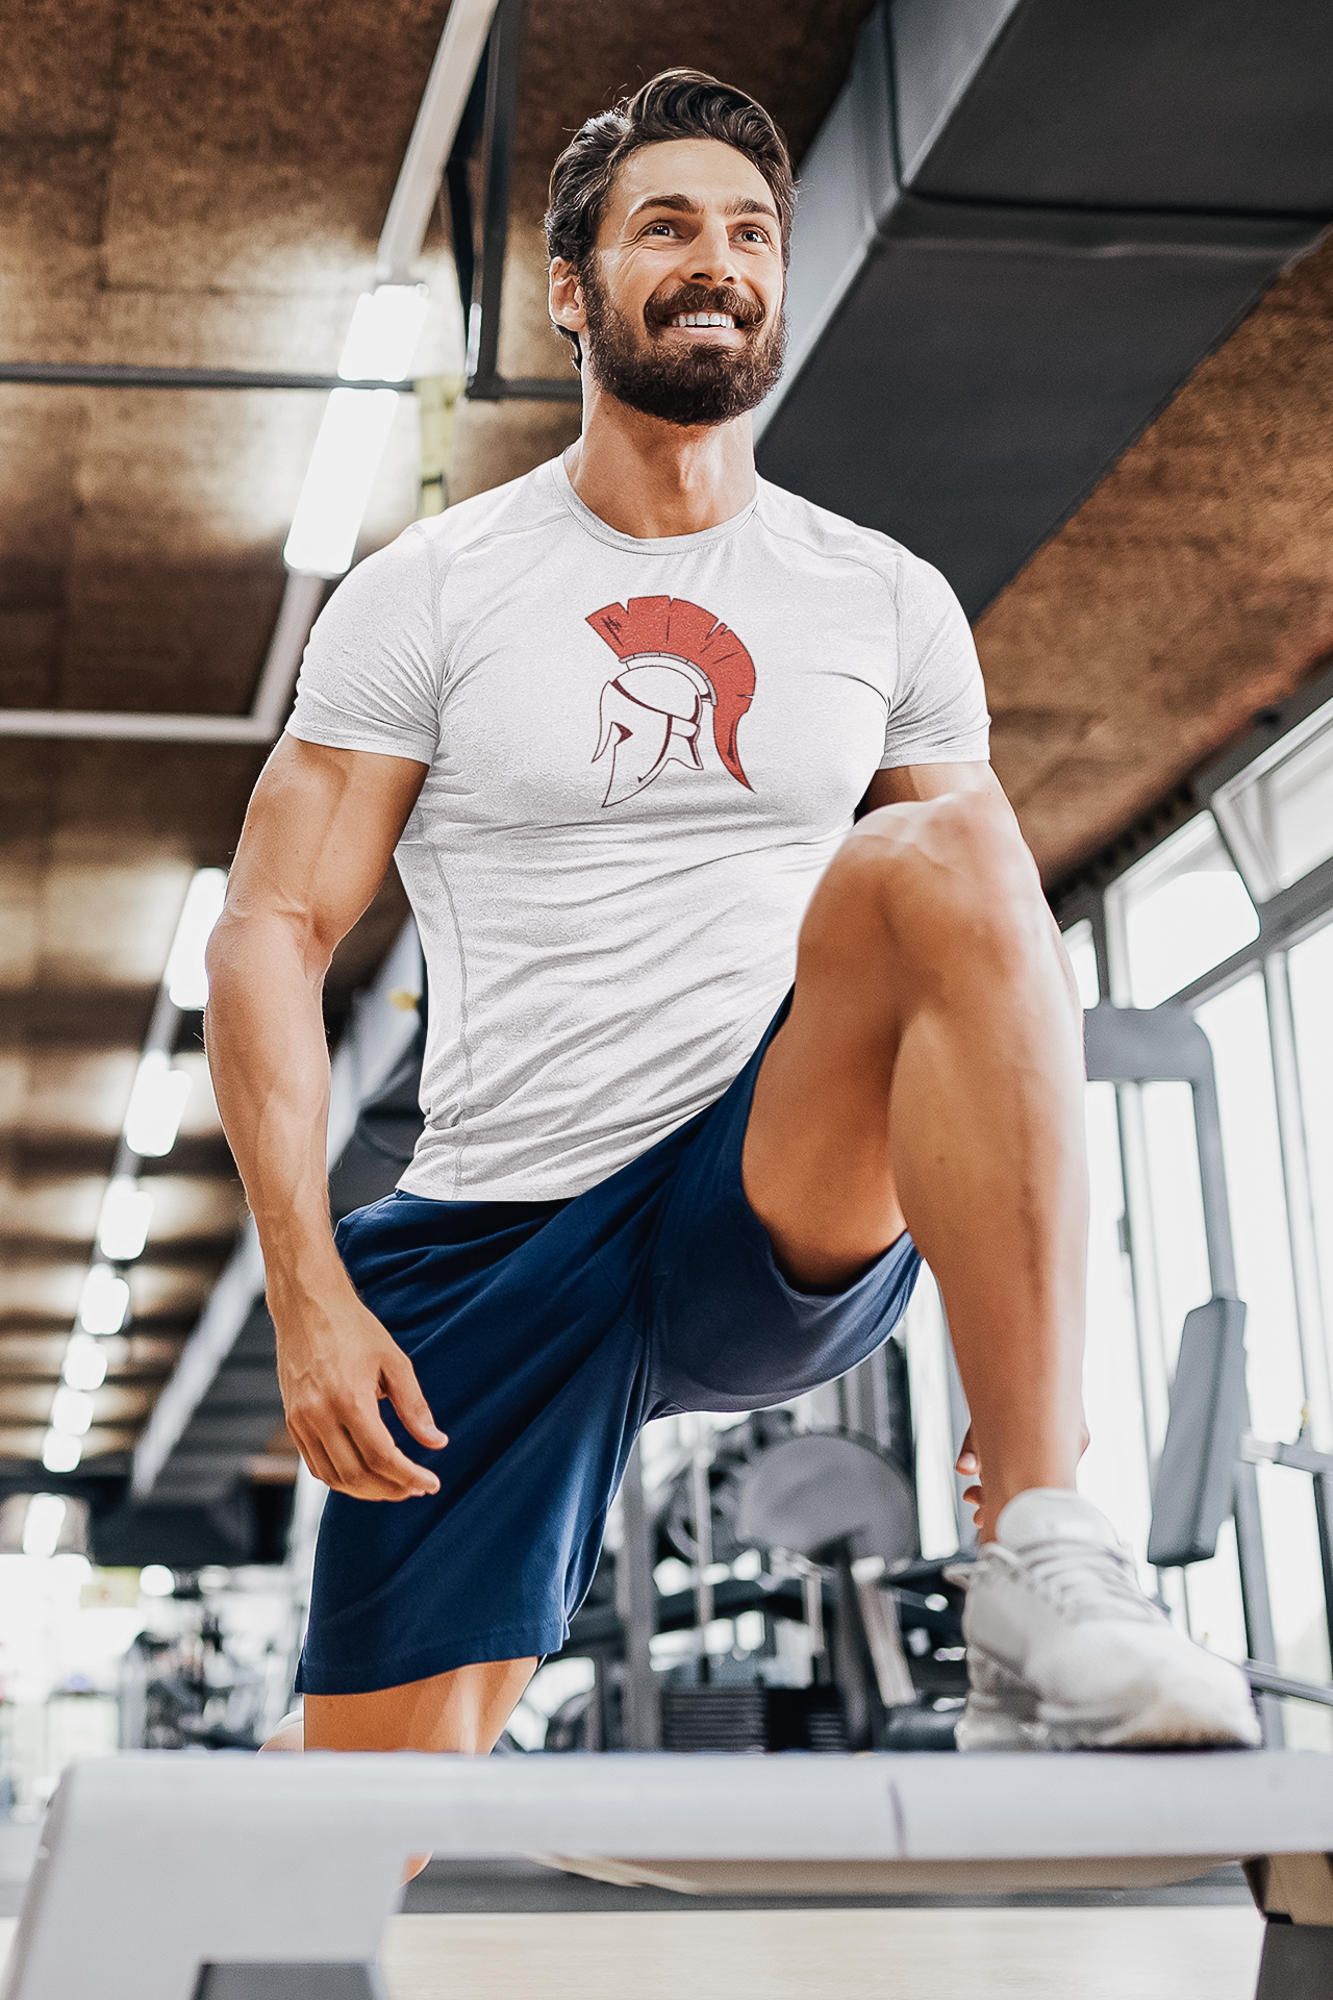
(744, 997)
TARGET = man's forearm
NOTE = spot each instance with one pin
(270, 1067)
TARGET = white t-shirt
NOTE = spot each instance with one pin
(642, 756)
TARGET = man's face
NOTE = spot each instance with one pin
(681, 300)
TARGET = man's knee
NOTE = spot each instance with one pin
(941, 866)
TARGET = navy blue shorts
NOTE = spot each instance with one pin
(544, 1334)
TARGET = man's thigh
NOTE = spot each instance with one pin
(817, 1165)
(465, 1709)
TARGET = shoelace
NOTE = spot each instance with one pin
(1085, 1575)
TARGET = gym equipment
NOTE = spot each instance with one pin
(1207, 1467)
(822, 1489)
(271, 1878)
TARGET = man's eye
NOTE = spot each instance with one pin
(653, 227)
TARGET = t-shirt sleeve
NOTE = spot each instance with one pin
(937, 714)
(370, 678)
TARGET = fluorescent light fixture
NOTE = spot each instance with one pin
(186, 979)
(42, 1524)
(85, 1362)
(104, 1301)
(122, 1227)
(153, 1117)
(71, 1412)
(156, 1580)
(60, 1453)
(383, 336)
(337, 486)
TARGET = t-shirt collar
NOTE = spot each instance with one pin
(643, 545)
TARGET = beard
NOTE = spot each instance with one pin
(703, 383)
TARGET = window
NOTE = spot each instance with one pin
(1177, 913)
(1278, 813)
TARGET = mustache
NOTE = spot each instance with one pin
(705, 298)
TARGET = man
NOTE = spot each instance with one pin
(615, 720)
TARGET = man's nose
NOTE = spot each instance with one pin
(711, 256)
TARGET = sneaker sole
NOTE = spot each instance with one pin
(1005, 1713)
(1166, 1724)
(986, 1730)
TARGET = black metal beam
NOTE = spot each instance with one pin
(504, 61)
(132, 375)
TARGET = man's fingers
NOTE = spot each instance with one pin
(967, 1460)
(404, 1393)
(316, 1458)
(362, 1467)
(384, 1462)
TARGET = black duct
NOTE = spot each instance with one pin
(1022, 226)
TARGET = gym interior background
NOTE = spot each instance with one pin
(1061, 304)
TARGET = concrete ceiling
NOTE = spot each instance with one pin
(203, 186)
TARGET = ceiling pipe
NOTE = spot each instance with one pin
(140, 375)
(442, 105)
(405, 224)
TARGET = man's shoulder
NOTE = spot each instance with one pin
(834, 537)
(521, 506)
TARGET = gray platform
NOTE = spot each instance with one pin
(165, 1877)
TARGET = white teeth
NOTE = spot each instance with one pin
(703, 319)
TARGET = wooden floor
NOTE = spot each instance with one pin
(1065, 1954)
(1133, 1954)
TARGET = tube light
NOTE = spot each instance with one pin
(104, 1301)
(342, 469)
(60, 1453)
(85, 1362)
(153, 1116)
(71, 1412)
(383, 336)
(42, 1524)
(122, 1227)
(185, 976)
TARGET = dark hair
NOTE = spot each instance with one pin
(677, 104)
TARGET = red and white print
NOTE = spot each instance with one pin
(676, 660)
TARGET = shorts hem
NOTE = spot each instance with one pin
(506, 1642)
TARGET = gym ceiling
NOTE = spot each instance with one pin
(202, 187)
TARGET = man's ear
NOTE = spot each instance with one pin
(566, 297)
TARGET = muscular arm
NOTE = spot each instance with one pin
(317, 839)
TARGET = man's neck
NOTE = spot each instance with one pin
(647, 478)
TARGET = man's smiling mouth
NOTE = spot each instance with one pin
(703, 319)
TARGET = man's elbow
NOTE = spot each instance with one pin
(249, 948)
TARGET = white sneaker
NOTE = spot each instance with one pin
(1064, 1651)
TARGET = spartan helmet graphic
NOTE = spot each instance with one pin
(678, 659)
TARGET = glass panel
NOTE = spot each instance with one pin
(1177, 913)
(1278, 813)
(1083, 957)
(1236, 1024)
(1310, 967)
(1213, 1596)
(1114, 1472)
(1183, 1279)
(928, 1379)
(1291, 1549)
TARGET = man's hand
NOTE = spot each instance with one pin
(968, 1465)
(335, 1365)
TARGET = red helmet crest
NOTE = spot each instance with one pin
(675, 628)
